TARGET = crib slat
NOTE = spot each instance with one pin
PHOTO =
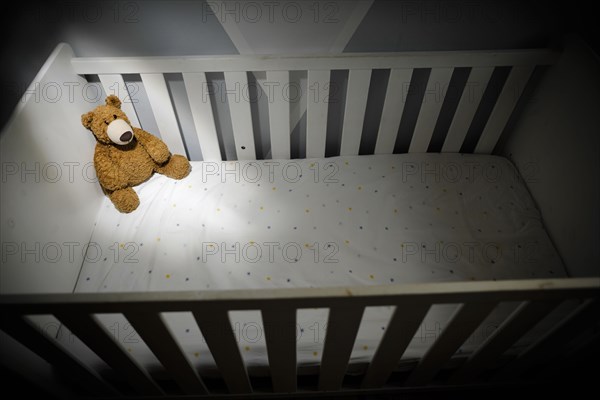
(280, 335)
(154, 332)
(95, 336)
(393, 107)
(359, 81)
(553, 341)
(114, 84)
(467, 106)
(279, 113)
(316, 112)
(216, 329)
(525, 317)
(204, 121)
(35, 340)
(466, 319)
(397, 337)
(435, 92)
(164, 114)
(342, 327)
(509, 96)
(238, 99)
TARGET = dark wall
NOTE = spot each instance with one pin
(31, 29)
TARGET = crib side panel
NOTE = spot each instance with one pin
(535, 299)
(49, 194)
(440, 121)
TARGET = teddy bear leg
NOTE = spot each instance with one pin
(125, 200)
(178, 167)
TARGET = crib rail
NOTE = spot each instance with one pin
(278, 308)
(230, 63)
(401, 66)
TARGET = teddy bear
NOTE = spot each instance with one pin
(126, 156)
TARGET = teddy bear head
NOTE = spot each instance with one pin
(108, 123)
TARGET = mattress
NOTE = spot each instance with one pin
(343, 221)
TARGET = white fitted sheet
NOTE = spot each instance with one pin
(343, 221)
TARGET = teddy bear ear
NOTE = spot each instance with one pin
(113, 100)
(87, 119)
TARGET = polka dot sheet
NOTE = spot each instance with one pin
(342, 221)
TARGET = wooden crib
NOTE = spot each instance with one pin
(39, 117)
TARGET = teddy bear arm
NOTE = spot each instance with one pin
(156, 148)
(108, 172)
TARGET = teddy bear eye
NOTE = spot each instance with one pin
(114, 116)
(106, 122)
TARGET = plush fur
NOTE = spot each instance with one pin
(119, 167)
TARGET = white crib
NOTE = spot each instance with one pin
(45, 132)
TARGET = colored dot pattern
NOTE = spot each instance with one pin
(376, 221)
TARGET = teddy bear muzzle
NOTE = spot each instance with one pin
(120, 132)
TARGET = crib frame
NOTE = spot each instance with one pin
(278, 307)
(360, 66)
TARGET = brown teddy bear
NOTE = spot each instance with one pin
(126, 156)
